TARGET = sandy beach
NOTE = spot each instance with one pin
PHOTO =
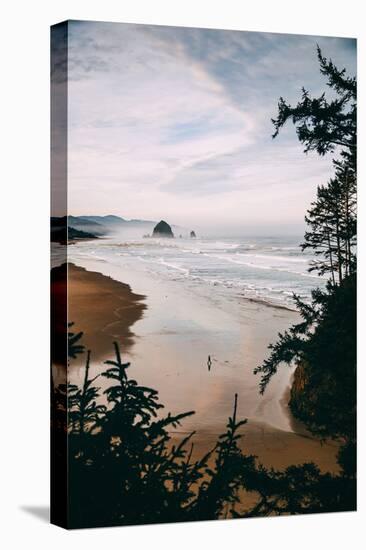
(101, 307)
(167, 336)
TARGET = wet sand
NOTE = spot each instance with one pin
(168, 345)
(102, 308)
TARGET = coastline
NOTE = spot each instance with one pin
(167, 339)
(102, 308)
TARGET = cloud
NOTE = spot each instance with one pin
(167, 120)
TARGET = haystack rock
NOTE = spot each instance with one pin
(163, 229)
(193, 235)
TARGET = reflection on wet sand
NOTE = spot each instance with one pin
(176, 334)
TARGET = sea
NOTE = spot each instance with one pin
(269, 269)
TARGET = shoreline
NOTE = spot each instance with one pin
(168, 352)
(267, 303)
(102, 308)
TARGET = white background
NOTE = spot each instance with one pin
(24, 127)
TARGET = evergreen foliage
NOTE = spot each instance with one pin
(321, 124)
(323, 344)
(124, 468)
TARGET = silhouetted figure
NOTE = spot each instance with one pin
(209, 363)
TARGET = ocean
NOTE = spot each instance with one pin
(268, 269)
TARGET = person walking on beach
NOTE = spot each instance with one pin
(209, 363)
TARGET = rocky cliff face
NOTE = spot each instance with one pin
(163, 229)
(299, 381)
(300, 400)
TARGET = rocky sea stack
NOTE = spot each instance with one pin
(193, 235)
(163, 229)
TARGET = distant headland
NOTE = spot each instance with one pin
(74, 228)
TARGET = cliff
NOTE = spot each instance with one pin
(299, 400)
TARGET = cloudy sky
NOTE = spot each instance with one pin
(174, 123)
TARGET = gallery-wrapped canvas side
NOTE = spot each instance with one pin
(59, 493)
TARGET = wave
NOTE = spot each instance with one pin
(173, 266)
(268, 267)
(275, 258)
(269, 271)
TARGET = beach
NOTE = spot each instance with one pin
(167, 331)
(104, 309)
(100, 307)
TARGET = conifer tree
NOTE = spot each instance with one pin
(323, 344)
(322, 125)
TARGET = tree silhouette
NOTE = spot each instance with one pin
(323, 344)
(124, 469)
(322, 125)
(332, 225)
(219, 492)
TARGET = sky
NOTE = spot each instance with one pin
(175, 123)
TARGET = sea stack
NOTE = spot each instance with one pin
(163, 229)
(193, 235)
